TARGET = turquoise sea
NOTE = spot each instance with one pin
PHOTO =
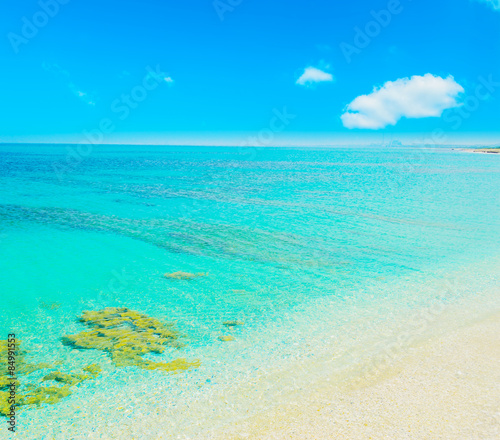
(326, 255)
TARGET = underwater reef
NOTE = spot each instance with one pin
(90, 372)
(184, 275)
(128, 335)
(226, 338)
(28, 393)
(125, 334)
(50, 305)
(232, 323)
(187, 237)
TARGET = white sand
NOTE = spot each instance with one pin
(447, 388)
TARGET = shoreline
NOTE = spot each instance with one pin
(492, 150)
(444, 388)
(305, 398)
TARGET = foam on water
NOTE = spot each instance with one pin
(321, 253)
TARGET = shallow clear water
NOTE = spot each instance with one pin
(305, 246)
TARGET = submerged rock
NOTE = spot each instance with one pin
(232, 323)
(50, 306)
(4, 403)
(31, 394)
(41, 395)
(184, 275)
(68, 379)
(226, 338)
(21, 365)
(127, 335)
(92, 371)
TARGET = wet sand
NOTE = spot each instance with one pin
(447, 388)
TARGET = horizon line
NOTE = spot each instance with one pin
(395, 144)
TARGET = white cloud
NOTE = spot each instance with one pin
(87, 98)
(160, 76)
(415, 97)
(495, 4)
(313, 75)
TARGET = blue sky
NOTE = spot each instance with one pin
(239, 72)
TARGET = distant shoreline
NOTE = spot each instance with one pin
(491, 150)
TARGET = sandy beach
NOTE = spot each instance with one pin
(494, 150)
(446, 389)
